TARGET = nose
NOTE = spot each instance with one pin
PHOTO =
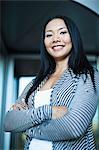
(56, 38)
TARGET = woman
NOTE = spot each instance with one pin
(56, 109)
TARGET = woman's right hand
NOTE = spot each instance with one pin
(58, 111)
(19, 106)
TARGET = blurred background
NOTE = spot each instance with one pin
(20, 28)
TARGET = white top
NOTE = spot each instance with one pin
(41, 98)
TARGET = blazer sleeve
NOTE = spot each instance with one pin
(20, 120)
(75, 123)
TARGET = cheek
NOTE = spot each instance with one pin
(47, 45)
(67, 39)
(46, 42)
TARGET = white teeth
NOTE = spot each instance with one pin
(57, 47)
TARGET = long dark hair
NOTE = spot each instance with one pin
(77, 61)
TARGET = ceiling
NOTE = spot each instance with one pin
(21, 23)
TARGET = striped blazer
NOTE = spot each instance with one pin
(73, 131)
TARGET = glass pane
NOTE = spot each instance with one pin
(23, 81)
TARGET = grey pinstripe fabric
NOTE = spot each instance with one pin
(72, 131)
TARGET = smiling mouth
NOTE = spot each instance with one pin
(57, 47)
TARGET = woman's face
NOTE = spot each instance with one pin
(57, 39)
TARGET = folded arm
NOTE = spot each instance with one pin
(20, 117)
(75, 123)
(20, 120)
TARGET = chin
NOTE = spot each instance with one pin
(61, 57)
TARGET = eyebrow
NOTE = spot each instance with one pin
(58, 29)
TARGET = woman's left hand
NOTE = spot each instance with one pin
(58, 111)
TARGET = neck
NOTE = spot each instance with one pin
(61, 66)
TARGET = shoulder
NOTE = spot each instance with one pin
(96, 75)
(27, 87)
(88, 76)
(96, 80)
(87, 83)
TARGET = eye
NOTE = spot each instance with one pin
(48, 35)
(63, 32)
